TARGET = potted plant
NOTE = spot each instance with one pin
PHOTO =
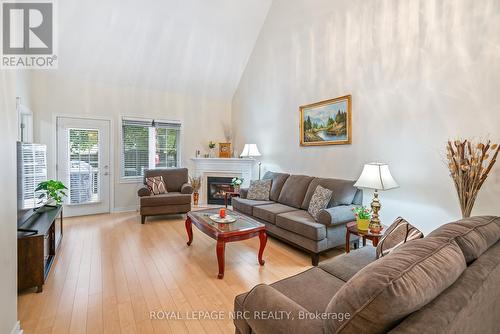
(236, 183)
(196, 184)
(53, 191)
(363, 216)
(211, 147)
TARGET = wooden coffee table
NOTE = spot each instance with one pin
(243, 228)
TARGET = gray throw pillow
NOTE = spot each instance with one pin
(259, 190)
(319, 201)
(397, 234)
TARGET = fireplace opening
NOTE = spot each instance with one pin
(216, 188)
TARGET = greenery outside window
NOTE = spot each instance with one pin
(148, 144)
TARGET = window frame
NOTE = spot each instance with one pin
(138, 179)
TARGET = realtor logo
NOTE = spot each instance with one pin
(28, 33)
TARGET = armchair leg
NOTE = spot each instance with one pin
(143, 219)
(315, 259)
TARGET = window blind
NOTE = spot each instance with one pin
(84, 166)
(148, 143)
(32, 169)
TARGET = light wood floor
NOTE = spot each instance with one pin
(111, 272)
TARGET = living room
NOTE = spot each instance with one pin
(201, 163)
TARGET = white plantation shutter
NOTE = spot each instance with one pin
(147, 144)
(32, 169)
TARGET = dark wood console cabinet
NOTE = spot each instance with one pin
(38, 239)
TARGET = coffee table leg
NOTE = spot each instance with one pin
(221, 246)
(263, 241)
(189, 230)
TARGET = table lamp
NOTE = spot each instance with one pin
(251, 151)
(378, 177)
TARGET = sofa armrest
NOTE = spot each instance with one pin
(264, 300)
(243, 192)
(143, 192)
(337, 215)
(186, 189)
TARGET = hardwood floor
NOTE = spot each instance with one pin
(111, 272)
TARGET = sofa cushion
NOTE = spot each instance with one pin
(301, 222)
(156, 185)
(268, 212)
(346, 265)
(246, 205)
(259, 190)
(312, 289)
(294, 190)
(171, 198)
(387, 290)
(319, 201)
(474, 235)
(278, 180)
(397, 234)
(343, 191)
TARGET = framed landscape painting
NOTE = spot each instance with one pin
(327, 122)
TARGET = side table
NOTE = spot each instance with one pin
(352, 228)
(229, 194)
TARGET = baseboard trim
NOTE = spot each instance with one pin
(17, 329)
(125, 209)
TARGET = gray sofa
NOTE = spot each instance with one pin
(285, 214)
(447, 282)
(176, 200)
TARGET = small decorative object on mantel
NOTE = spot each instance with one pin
(378, 177)
(225, 150)
(53, 192)
(326, 123)
(211, 148)
(196, 184)
(363, 216)
(469, 165)
(236, 183)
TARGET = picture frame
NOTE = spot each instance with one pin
(225, 150)
(327, 122)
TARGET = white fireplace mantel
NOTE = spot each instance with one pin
(223, 167)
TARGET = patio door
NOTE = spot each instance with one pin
(83, 164)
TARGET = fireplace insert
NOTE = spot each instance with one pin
(216, 188)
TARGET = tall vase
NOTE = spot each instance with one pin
(236, 189)
(196, 198)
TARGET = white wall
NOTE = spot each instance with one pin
(203, 119)
(420, 72)
(8, 218)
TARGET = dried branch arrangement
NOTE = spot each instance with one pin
(195, 183)
(469, 166)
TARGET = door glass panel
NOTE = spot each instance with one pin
(84, 182)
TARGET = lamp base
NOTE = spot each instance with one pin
(375, 226)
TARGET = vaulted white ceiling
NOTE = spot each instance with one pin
(183, 46)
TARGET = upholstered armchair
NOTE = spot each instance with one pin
(176, 200)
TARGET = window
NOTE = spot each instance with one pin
(84, 166)
(148, 144)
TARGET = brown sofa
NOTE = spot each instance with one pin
(176, 200)
(447, 282)
(285, 214)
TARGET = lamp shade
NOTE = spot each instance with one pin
(250, 150)
(376, 176)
